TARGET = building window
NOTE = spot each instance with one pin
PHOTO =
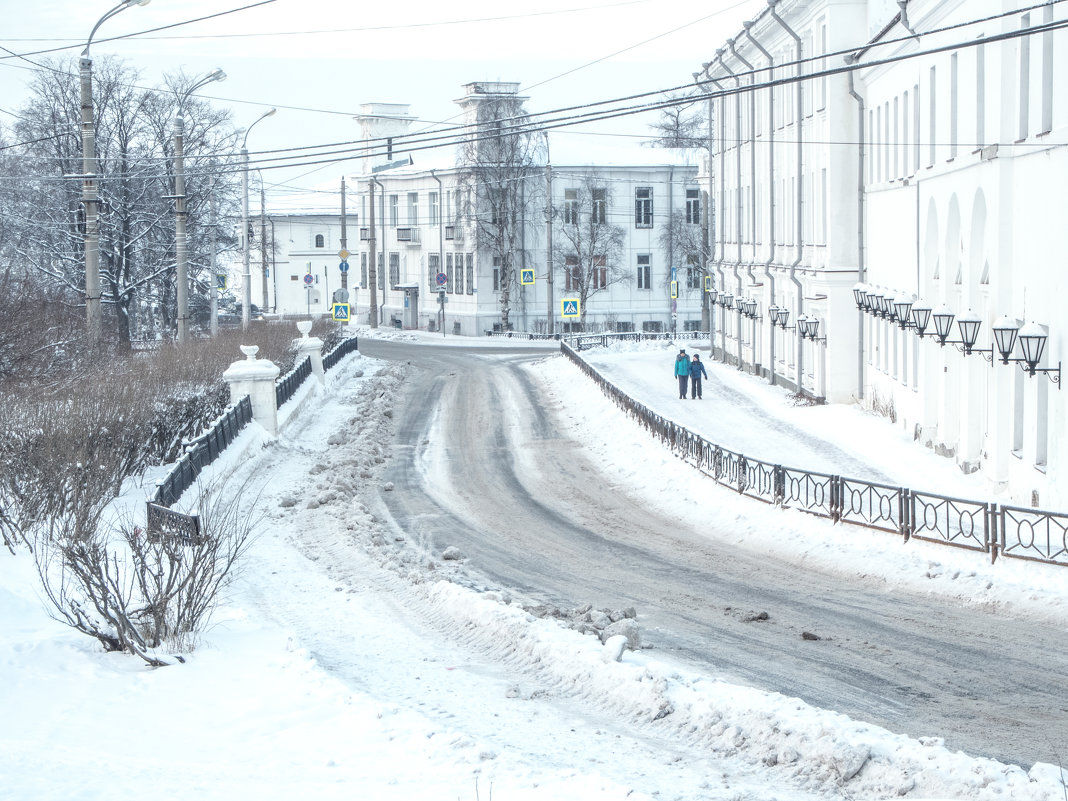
(433, 200)
(953, 101)
(693, 206)
(394, 210)
(448, 273)
(1047, 72)
(643, 207)
(394, 269)
(980, 95)
(470, 273)
(623, 327)
(600, 206)
(496, 273)
(652, 326)
(413, 208)
(459, 274)
(320, 241)
(572, 274)
(691, 325)
(382, 271)
(933, 136)
(571, 206)
(693, 272)
(433, 267)
(1025, 76)
(644, 277)
(363, 271)
(599, 279)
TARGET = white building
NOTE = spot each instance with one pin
(927, 174)
(423, 227)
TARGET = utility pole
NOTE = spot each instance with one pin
(263, 242)
(180, 251)
(213, 294)
(344, 238)
(372, 261)
(551, 328)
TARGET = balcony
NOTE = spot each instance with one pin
(408, 235)
(454, 233)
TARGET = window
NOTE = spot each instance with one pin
(691, 325)
(496, 273)
(624, 328)
(953, 106)
(448, 273)
(459, 274)
(433, 267)
(413, 208)
(363, 271)
(571, 206)
(652, 326)
(320, 241)
(693, 206)
(394, 269)
(600, 206)
(1025, 76)
(394, 210)
(599, 279)
(572, 274)
(470, 273)
(693, 272)
(382, 271)
(644, 278)
(643, 207)
(933, 135)
(1047, 72)
(980, 95)
(433, 203)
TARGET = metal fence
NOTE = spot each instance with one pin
(1009, 531)
(343, 348)
(285, 386)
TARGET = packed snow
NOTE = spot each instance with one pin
(344, 663)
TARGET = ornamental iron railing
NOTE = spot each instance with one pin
(1010, 531)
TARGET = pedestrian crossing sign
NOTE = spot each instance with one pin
(674, 289)
(340, 312)
(708, 283)
(220, 281)
(569, 307)
(526, 276)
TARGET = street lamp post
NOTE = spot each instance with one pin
(247, 292)
(180, 250)
(90, 190)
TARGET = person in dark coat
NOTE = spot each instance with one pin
(697, 370)
(682, 372)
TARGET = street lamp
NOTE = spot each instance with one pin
(90, 190)
(180, 251)
(246, 305)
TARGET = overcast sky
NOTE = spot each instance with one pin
(319, 60)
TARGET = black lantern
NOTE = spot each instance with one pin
(1032, 343)
(1005, 329)
(968, 323)
(943, 320)
(902, 307)
(782, 317)
(859, 295)
(921, 316)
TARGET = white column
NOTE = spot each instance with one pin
(255, 378)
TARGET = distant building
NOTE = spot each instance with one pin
(926, 175)
(425, 225)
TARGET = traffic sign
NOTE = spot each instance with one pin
(708, 283)
(569, 307)
(341, 296)
(309, 279)
(340, 312)
(526, 276)
(344, 266)
(220, 281)
(674, 289)
(442, 279)
(343, 254)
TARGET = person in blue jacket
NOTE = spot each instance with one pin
(697, 369)
(682, 371)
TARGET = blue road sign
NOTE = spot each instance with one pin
(526, 276)
(309, 279)
(569, 307)
(344, 266)
(340, 312)
(442, 279)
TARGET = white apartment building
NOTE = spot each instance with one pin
(926, 176)
(424, 228)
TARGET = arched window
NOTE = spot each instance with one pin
(320, 241)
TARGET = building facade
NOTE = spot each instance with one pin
(903, 150)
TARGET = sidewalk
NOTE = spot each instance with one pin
(745, 414)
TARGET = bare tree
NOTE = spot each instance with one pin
(499, 159)
(683, 125)
(685, 239)
(587, 247)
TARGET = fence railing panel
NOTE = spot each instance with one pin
(1033, 534)
(286, 386)
(873, 505)
(810, 492)
(344, 348)
(953, 521)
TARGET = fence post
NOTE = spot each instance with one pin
(311, 347)
(255, 378)
(992, 533)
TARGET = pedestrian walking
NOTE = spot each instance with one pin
(682, 372)
(697, 370)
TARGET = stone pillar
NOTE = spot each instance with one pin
(255, 378)
(313, 347)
